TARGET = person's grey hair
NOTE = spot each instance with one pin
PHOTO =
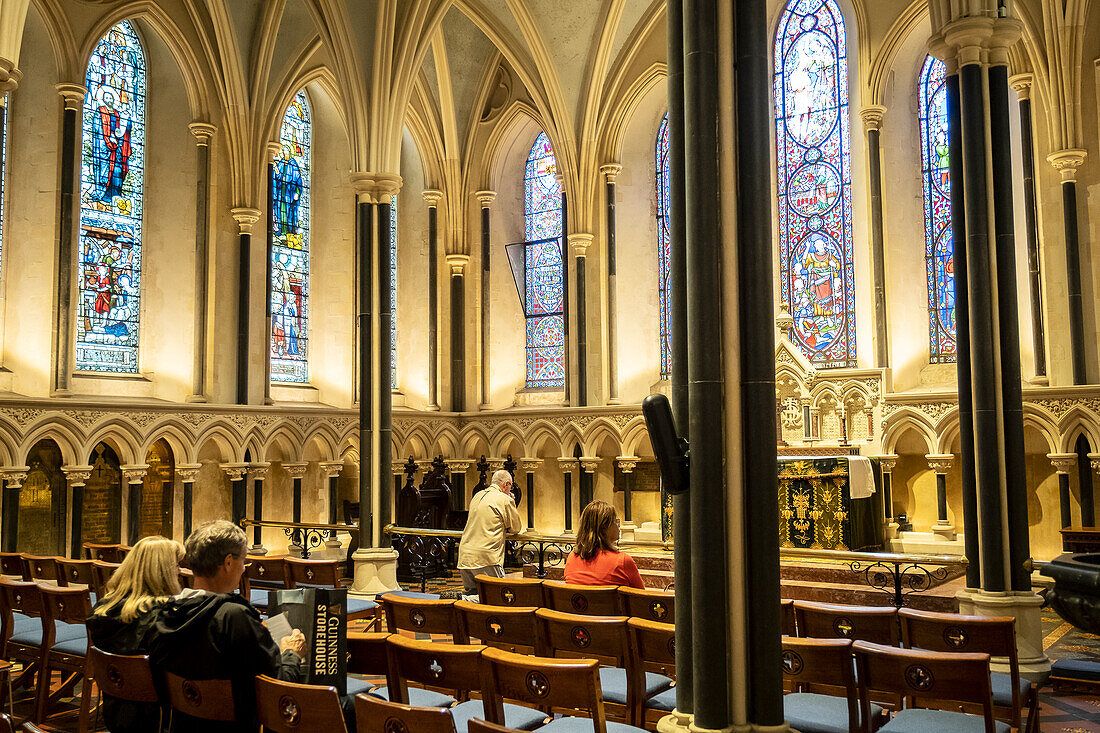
(500, 477)
(210, 543)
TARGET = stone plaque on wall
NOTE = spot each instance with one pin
(155, 517)
(101, 518)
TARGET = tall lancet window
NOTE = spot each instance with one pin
(663, 249)
(112, 177)
(939, 249)
(393, 293)
(543, 267)
(290, 216)
(817, 281)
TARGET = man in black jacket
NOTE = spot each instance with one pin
(210, 632)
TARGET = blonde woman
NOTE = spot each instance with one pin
(147, 578)
(595, 559)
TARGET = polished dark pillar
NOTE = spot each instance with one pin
(886, 466)
(433, 198)
(1022, 85)
(258, 474)
(76, 480)
(13, 481)
(1067, 162)
(610, 171)
(187, 474)
(366, 371)
(872, 122)
(1064, 463)
(269, 240)
(527, 465)
(297, 472)
(134, 508)
(67, 234)
(941, 464)
(485, 198)
(331, 471)
(681, 504)
(246, 219)
(582, 327)
(567, 475)
(627, 469)
(204, 134)
(385, 364)
(1084, 483)
(458, 331)
(565, 286)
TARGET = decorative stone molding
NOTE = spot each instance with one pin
(376, 188)
(72, 95)
(274, 148)
(530, 465)
(495, 464)
(295, 470)
(611, 171)
(134, 474)
(203, 132)
(590, 463)
(433, 197)
(235, 471)
(580, 243)
(627, 463)
(940, 462)
(1063, 462)
(455, 465)
(1022, 84)
(9, 76)
(485, 198)
(457, 263)
(567, 464)
(246, 218)
(1094, 461)
(187, 472)
(1066, 162)
(259, 471)
(397, 467)
(14, 477)
(331, 468)
(77, 475)
(887, 462)
(872, 116)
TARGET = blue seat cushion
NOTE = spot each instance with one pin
(419, 697)
(410, 594)
(665, 701)
(613, 684)
(78, 647)
(584, 725)
(1075, 669)
(257, 596)
(1002, 689)
(515, 716)
(357, 685)
(360, 605)
(810, 712)
(940, 721)
(31, 635)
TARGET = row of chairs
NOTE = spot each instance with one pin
(594, 600)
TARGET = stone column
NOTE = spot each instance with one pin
(68, 238)
(458, 263)
(433, 198)
(258, 473)
(530, 466)
(941, 464)
(627, 464)
(13, 480)
(1063, 463)
(872, 124)
(187, 472)
(485, 198)
(568, 465)
(75, 477)
(246, 218)
(589, 464)
(886, 465)
(458, 468)
(204, 135)
(297, 472)
(1022, 84)
(331, 471)
(239, 491)
(580, 244)
(565, 302)
(397, 468)
(1088, 501)
(133, 478)
(273, 151)
(1066, 162)
(610, 172)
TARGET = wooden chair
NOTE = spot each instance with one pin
(787, 623)
(925, 679)
(655, 605)
(483, 726)
(458, 669)
(287, 707)
(374, 715)
(811, 666)
(591, 600)
(202, 699)
(12, 566)
(326, 574)
(43, 569)
(655, 646)
(21, 626)
(512, 629)
(262, 574)
(545, 683)
(878, 625)
(606, 639)
(993, 635)
(128, 678)
(368, 654)
(29, 727)
(106, 553)
(101, 574)
(61, 606)
(422, 615)
(525, 592)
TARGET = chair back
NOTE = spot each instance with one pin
(76, 572)
(786, 617)
(367, 653)
(456, 667)
(101, 573)
(810, 663)
(266, 572)
(374, 715)
(312, 573)
(43, 568)
(523, 592)
(29, 727)
(543, 683)
(203, 699)
(68, 605)
(831, 621)
(476, 725)
(573, 635)
(924, 677)
(124, 677)
(12, 565)
(288, 707)
(512, 629)
(654, 605)
(654, 644)
(20, 596)
(422, 615)
(591, 600)
(106, 553)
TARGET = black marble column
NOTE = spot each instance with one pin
(269, 239)
(1022, 85)
(565, 287)
(610, 171)
(1084, 483)
(530, 497)
(67, 238)
(246, 220)
(433, 198)
(258, 504)
(582, 332)
(203, 133)
(872, 121)
(1067, 162)
(628, 490)
(458, 332)
(1063, 463)
(134, 510)
(364, 247)
(485, 198)
(385, 365)
(188, 479)
(567, 468)
(76, 540)
(13, 481)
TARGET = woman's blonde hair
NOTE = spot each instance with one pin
(148, 575)
(596, 520)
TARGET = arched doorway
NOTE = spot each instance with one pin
(155, 515)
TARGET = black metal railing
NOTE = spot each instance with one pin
(306, 535)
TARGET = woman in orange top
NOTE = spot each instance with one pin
(596, 559)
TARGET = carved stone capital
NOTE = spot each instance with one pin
(397, 468)
(485, 198)
(530, 465)
(72, 95)
(611, 171)
(627, 463)
(9, 76)
(590, 463)
(235, 471)
(203, 132)
(1067, 162)
(567, 464)
(458, 263)
(134, 474)
(1063, 462)
(77, 475)
(872, 116)
(376, 188)
(295, 470)
(331, 468)
(187, 472)
(580, 242)
(455, 465)
(259, 471)
(940, 462)
(245, 218)
(887, 463)
(14, 476)
(433, 197)
(1022, 84)
(496, 464)
(1094, 461)
(784, 321)
(274, 148)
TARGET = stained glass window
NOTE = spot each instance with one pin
(817, 282)
(939, 249)
(112, 176)
(663, 249)
(393, 293)
(543, 266)
(290, 214)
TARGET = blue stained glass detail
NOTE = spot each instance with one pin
(939, 249)
(663, 244)
(290, 219)
(817, 278)
(112, 178)
(544, 268)
(393, 293)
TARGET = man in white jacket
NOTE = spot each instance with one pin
(493, 516)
